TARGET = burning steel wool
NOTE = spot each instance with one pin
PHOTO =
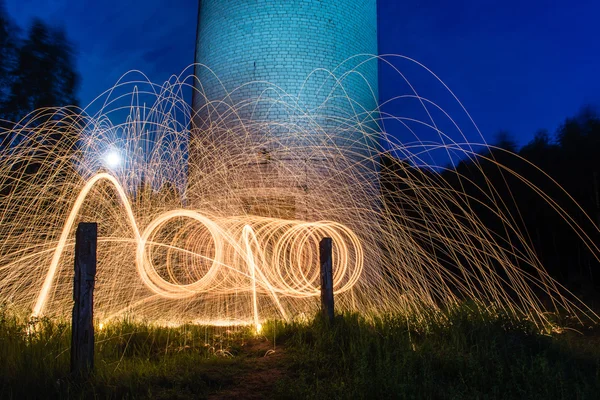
(214, 213)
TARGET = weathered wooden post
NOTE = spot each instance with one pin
(325, 250)
(82, 338)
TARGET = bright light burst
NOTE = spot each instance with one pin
(112, 159)
(226, 230)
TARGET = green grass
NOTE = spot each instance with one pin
(463, 354)
(132, 360)
(470, 355)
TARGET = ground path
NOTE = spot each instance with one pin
(262, 366)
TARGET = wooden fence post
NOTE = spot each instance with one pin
(325, 250)
(82, 338)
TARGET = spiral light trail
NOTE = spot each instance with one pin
(221, 223)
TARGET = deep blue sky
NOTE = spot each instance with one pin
(517, 65)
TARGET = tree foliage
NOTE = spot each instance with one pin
(36, 71)
(8, 53)
(564, 167)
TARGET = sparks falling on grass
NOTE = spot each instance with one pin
(214, 215)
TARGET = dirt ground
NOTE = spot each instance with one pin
(263, 367)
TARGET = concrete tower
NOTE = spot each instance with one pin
(279, 78)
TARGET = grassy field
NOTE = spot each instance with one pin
(472, 355)
(465, 354)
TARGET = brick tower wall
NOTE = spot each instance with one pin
(278, 80)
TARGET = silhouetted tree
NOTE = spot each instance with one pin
(540, 150)
(492, 183)
(44, 74)
(8, 55)
(505, 141)
(39, 72)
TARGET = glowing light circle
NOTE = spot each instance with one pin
(113, 159)
(157, 283)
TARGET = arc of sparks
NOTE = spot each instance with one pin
(161, 287)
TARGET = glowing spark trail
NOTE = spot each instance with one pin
(214, 215)
(223, 241)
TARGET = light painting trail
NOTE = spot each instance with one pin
(220, 223)
(225, 238)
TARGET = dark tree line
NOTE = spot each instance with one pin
(36, 72)
(36, 69)
(500, 175)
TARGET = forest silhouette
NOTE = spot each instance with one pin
(561, 166)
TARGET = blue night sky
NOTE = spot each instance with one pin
(516, 65)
